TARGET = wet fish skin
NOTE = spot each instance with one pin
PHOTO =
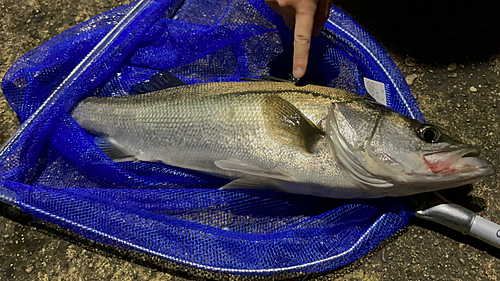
(272, 135)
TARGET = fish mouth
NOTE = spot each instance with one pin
(464, 161)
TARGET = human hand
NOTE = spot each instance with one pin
(304, 18)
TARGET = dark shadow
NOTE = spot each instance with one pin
(460, 196)
(431, 31)
(15, 214)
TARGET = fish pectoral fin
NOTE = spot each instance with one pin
(249, 183)
(286, 124)
(114, 151)
(159, 81)
(248, 169)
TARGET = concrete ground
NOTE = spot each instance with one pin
(449, 54)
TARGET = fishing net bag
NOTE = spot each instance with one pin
(53, 170)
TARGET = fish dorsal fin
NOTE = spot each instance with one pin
(347, 158)
(248, 169)
(287, 125)
(114, 151)
(159, 81)
(269, 78)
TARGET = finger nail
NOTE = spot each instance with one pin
(298, 72)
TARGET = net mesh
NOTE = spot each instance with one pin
(55, 171)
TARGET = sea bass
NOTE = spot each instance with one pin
(274, 135)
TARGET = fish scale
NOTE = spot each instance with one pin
(260, 134)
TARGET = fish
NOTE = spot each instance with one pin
(275, 135)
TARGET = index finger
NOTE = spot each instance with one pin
(304, 21)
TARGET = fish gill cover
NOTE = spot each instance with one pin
(56, 172)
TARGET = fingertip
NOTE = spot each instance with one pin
(298, 72)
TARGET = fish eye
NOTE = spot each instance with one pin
(429, 134)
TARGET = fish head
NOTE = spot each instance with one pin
(395, 155)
